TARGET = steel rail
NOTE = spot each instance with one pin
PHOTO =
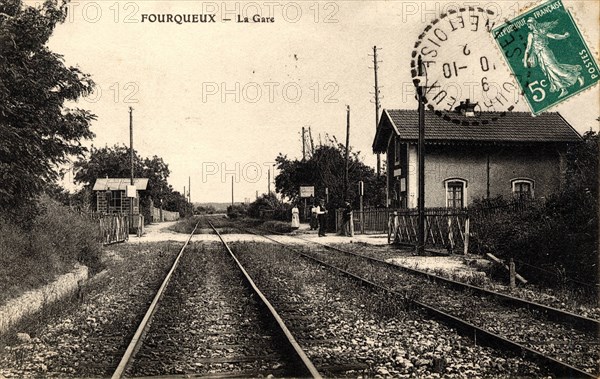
(583, 323)
(303, 359)
(134, 345)
(470, 330)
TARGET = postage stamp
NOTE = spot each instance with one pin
(547, 54)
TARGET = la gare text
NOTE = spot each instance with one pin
(201, 18)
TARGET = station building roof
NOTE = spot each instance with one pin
(455, 128)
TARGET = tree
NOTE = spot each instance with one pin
(205, 209)
(37, 131)
(177, 202)
(325, 169)
(582, 165)
(115, 162)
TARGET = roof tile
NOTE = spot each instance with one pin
(513, 127)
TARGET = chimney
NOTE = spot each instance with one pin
(466, 108)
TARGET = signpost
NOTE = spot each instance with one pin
(307, 191)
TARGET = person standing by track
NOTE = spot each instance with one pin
(347, 222)
(295, 217)
(322, 216)
(314, 222)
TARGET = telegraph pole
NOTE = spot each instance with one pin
(347, 151)
(131, 141)
(421, 153)
(190, 189)
(375, 61)
(312, 143)
(232, 191)
(303, 145)
(131, 199)
(269, 182)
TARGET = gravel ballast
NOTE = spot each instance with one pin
(350, 331)
(87, 336)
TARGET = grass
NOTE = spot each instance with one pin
(277, 226)
(57, 240)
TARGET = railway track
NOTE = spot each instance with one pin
(566, 343)
(582, 323)
(209, 318)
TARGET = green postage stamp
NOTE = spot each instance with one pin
(547, 55)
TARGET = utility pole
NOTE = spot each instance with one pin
(269, 182)
(347, 151)
(421, 153)
(232, 191)
(303, 145)
(131, 141)
(375, 61)
(312, 143)
(190, 189)
(131, 198)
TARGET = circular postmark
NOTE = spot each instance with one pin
(462, 69)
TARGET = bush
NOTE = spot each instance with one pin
(50, 245)
(237, 210)
(268, 206)
(552, 242)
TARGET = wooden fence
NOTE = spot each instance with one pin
(445, 228)
(367, 221)
(113, 227)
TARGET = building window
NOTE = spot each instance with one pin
(456, 192)
(397, 151)
(114, 200)
(522, 188)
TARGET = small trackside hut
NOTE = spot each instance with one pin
(112, 197)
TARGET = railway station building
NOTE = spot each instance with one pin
(515, 155)
(111, 196)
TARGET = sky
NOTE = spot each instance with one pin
(222, 99)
